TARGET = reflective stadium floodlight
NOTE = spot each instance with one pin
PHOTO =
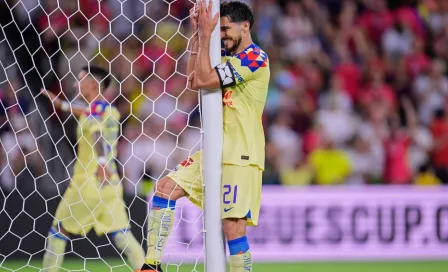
(212, 120)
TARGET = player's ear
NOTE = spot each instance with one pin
(246, 26)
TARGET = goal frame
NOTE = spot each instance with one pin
(212, 120)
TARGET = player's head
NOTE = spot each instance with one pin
(237, 20)
(91, 81)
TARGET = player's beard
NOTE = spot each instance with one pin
(235, 44)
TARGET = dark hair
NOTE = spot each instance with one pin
(99, 74)
(238, 12)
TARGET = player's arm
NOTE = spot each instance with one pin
(101, 149)
(62, 105)
(193, 47)
(205, 75)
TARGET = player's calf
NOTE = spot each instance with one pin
(240, 257)
(160, 221)
(55, 249)
(126, 243)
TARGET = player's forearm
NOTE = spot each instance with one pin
(203, 68)
(100, 145)
(77, 110)
(65, 106)
(193, 48)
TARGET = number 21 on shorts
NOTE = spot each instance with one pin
(229, 194)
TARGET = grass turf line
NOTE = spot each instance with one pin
(113, 265)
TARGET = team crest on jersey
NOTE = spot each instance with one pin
(97, 109)
(253, 58)
(227, 98)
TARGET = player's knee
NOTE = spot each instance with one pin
(167, 188)
(59, 232)
(61, 229)
(234, 228)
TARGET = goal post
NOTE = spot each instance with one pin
(143, 46)
(211, 101)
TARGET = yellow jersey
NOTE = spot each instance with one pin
(101, 118)
(244, 79)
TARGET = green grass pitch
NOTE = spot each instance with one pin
(113, 265)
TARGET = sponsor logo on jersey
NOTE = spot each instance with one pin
(227, 98)
(187, 163)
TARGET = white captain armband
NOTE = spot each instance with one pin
(225, 74)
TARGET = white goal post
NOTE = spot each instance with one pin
(212, 142)
(44, 44)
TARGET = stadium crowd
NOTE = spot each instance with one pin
(358, 90)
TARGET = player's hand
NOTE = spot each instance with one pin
(194, 13)
(206, 21)
(103, 174)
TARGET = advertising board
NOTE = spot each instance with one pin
(332, 223)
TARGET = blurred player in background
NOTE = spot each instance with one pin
(94, 198)
(243, 76)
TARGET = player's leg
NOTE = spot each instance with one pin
(125, 241)
(160, 220)
(240, 257)
(241, 190)
(55, 249)
(73, 216)
(184, 181)
(112, 218)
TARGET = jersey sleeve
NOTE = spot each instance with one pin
(241, 68)
(96, 118)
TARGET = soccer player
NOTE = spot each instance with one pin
(94, 198)
(243, 76)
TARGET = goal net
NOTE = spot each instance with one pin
(143, 44)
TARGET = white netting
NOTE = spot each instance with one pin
(45, 43)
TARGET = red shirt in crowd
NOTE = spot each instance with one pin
(350, 76)
(410, 17)
(383, 93)
(375, 23)
(396, 170)
(439, 130)
(416, 63)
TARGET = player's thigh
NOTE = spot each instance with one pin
(241, 192)
(74, 214)
(185, 180)
(111, 216)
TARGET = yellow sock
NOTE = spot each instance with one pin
(54, 253)
(127, 244)
(240, 258)
(160, 223)
(241, 262)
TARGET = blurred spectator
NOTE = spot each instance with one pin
(426, 176)
(341, 76)
(361, 161)
(439, 130)
(331, 166)
(18, 147)
(286, 141)
(301, 174)
(297, 32)
(376, 20)
(431, 90)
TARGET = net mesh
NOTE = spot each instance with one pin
(44, 44)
